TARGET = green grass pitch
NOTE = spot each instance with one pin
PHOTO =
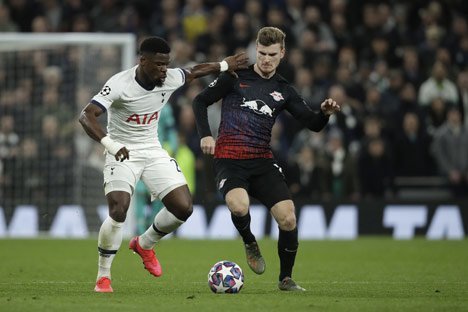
(368, 274)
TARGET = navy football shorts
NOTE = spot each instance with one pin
(262, 178)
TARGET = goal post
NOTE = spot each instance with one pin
(30, 41)
(46, 159)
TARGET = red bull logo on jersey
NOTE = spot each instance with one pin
(143, 119)
(259, 107)
(277, 96)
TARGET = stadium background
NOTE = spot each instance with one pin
(378, 59)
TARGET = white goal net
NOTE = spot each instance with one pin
(46, 159)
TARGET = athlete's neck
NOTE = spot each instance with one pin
(143, 80)
(263, 74)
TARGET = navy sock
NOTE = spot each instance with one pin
(287, 249)
(242, 225)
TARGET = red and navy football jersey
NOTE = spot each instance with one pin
(250, 105)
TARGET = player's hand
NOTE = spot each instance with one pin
(115, 148)
(207, 145)
(237, 61)
(329, 107)
(122, 154)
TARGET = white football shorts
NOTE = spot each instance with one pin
(160, 173)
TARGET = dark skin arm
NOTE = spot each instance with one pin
(89, 121)
(235, 62)
(89, 116)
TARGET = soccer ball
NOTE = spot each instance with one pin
(225, 277)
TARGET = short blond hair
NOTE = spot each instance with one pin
(270, 35)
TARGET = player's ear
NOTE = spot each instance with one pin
(142, 59)
(282, 53)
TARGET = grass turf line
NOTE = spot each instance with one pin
(368, 274)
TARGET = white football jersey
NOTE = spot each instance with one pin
(132, 111)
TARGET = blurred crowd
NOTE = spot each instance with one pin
(399, 70)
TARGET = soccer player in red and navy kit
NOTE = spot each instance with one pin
(133, 100)
(244, 162)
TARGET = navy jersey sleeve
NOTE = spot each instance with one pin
(217, 90)
(300, 110)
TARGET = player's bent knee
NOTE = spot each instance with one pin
(237, 207)
(185, 210)
(188, 212)
(118, 211)
(118, 205)
(287, 223)
(238, 210)
(182, 208)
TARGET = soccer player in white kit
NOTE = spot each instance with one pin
(133, 100)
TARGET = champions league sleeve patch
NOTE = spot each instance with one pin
(105, 91)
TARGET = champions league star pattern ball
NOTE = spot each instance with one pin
(225, 277)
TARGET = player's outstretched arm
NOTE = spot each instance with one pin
(230, 63)
(89, 121)
(314, 121)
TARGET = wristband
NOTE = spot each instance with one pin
(111, 146)
(223, 66)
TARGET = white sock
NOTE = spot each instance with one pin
(109, 241)
(164, 223)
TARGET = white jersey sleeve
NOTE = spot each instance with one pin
(179, 77)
